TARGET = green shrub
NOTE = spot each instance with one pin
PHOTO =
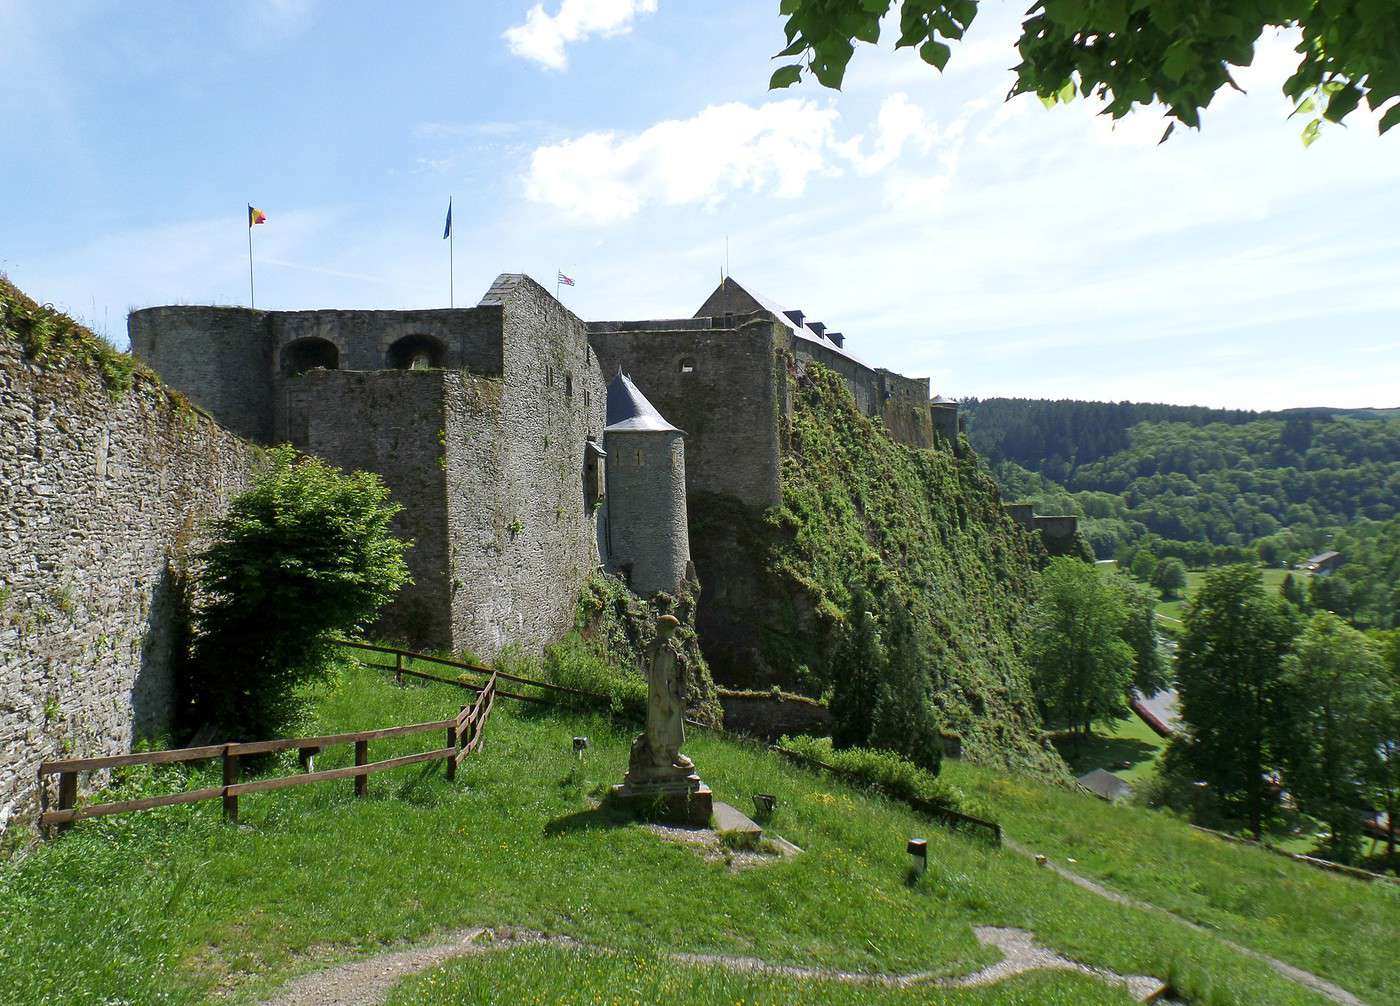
(301, 557)
(574, 664)
(896, 775)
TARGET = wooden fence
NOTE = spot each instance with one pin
(400, 670)
(464, 733)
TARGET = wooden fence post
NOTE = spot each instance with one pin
(398, 669)
(230, 779)
(452, 743)
(67, 795)
(361, 758)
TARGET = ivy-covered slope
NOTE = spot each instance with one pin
(920, 529)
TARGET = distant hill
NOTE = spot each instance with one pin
(1208, 485)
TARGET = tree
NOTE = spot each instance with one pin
(1130, 52)
(302, 556)
(1228, 668)
(1170, 577)
(856, 667)
(1080, 666)
(1383, 776)
(1293, 592)
(1333, 683)
(1330, 593)
(1150, 671)
(1144, 564)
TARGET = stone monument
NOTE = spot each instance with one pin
(658, 775)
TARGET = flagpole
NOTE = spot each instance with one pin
(252, 301)
(451, 257)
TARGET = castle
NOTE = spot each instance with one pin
(520, 469)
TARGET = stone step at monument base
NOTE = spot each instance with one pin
(736, 822)
(692, 806)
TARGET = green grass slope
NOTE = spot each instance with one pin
(173, 906)
(922, 529)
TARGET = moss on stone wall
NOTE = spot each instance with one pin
(621, 627)
(920, 529)
(50, 339)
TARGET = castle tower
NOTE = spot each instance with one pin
(648, 540)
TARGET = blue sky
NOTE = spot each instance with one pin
(1000, 248)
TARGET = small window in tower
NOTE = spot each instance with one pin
(568, 385)
(639, 459)
(687, 364)
(548, 376)
(586, 402)
(587, 353)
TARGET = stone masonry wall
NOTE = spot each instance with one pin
(220, 357)
(729, 403)
(523, 581)
(647, 533)
(390, 422)
(101, 505)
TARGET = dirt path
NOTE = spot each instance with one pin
(367, 982)
(1306, 978)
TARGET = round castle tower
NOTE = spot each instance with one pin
(648, 540)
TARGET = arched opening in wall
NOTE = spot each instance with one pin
(687, 365)
(417, 352)
(309, 354)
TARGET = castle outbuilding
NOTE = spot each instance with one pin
(647, 540)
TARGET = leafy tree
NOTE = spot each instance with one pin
(1333, 681)
(882, 694)
(304, 555)
(1150, 671)
(1144, 564)
(1330, 593)
(1228, 669)
(1129, 52)
(1292, 592)
(1170, 577)
(1383, 776)
(1080, 666)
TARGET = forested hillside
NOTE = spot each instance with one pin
(1205, 485)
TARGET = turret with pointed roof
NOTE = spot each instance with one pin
(647, 540)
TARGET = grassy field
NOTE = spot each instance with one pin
(1128, 749)
(1172, 610)
(173, 906)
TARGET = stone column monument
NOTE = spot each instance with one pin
(658, 775)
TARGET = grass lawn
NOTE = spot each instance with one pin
(1273, 581)
(173, 906)
(1342, 929)
(1128, 749)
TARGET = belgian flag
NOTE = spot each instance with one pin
(256, 216)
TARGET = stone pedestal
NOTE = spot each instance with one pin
(690, 802)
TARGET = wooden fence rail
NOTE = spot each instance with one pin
(464, 733)
(399, 669)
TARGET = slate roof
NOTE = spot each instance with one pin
(1106, 785)
(630, 412)
(802, 332)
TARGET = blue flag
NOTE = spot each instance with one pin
(447, 231)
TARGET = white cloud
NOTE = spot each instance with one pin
(601, 177)
(543, 36)
(604, 177)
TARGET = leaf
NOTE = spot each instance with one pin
(1177, 59)
(1390, 118)
(1066, 93)
(1168, 132)
(1306, 108)
(1310, 132)
(1342, 103)
(785, 76)
(935, 53)
(793, 49)
(789, 7)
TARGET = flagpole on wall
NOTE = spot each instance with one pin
(252, 301)
(451, 261)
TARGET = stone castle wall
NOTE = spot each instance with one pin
(389, 422)
(102, 501)
(728, 403)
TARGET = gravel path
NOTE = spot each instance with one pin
(1306, 978)
(367, 982)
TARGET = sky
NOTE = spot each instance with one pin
(997, 247)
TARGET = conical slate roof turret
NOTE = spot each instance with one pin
(630, 412)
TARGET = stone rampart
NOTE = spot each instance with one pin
(102, 500)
